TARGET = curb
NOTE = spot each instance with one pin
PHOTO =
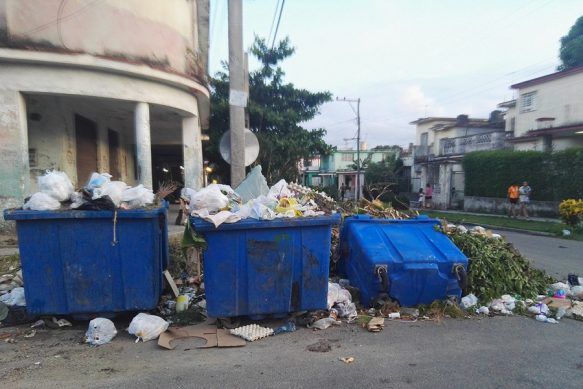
(526, 232)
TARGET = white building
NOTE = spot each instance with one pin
(439, 147)
(548, 113)
(111, 85)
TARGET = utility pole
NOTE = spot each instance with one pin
(357, 112)
(237, 95)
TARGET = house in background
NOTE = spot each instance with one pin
(548, 113)
(339, 168)
(115, 87)
(441, 143)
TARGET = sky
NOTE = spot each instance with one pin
(404, 59)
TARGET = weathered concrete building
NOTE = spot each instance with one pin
(106, 85)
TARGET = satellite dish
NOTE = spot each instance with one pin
(251, 147)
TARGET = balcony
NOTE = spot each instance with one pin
(467, 144)
(420, 153)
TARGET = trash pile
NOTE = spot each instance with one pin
(220, 204)
(100, 193)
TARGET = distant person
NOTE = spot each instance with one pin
(421, 198)
(524, 198)
(428, 195)
(513, 195)
(342, 191)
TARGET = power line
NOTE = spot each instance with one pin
(277, 26)
(60, 19)
(273, 20)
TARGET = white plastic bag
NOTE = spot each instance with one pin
(113, 189)
(469, 301)
(41, 201)
(280, 190)
(337, 294)
(261, 212)
(138, 196)
(100, 331)
(77, 200)
(56, 184)
(147, 327)
(14, 297)
(210, 198)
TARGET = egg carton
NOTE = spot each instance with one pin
(252, 332)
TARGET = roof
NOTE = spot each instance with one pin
(562, 131)
(451, 122)
(507, 104)
(433, 119)
(548, 77)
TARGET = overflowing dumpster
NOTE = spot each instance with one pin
(88, 262)
(266, 267)
(404, 260)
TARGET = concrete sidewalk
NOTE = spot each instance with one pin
(538, 219)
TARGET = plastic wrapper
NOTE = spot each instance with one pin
(210, 198)
(113, 189)
(100, 331)
(279, 190)
(147, 327)
(14, 298)
(41, 201)
(56, 184)
(337, 294)
(97, 180)
(253, 186)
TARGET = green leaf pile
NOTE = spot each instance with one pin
(496, 268)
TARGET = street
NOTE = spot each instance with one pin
(479, 352)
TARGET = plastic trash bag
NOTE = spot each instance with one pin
(97, 180)
(113, 189)
(147, 327)
(100, 331)
(56, 184)
(253, 186)
(187, 194)
(280, 190)
(41, 201)
(210, 198)
(77, 200)
(337, 294)
(138, 196)
(14, 297)
(261, 212)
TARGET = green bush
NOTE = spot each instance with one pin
(552, 176)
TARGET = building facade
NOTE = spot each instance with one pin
(338, 168)
(548, 113)
(440, 145)
(114, 86)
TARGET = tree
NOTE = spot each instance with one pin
(382, 172)
(276, 112)
(571, 52)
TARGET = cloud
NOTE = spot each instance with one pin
(414, 100)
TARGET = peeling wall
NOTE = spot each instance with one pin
(162, 34)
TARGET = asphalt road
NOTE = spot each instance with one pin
(558, 257)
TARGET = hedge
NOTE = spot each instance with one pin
(552, 176)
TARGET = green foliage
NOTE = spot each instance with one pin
(496, 268)
(381, 172)
(571, 52)
(276, 110)
(552, 176)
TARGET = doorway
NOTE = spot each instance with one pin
(114, 168)
(86, 143)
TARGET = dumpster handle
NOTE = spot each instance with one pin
(114, 241)
(383, 277)
(461, 275)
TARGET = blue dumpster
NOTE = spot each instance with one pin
(406, 260)
(255, 268)
(71, 264)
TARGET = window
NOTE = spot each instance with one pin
(316, 181)
(424, 139)
(528, 102)
(512, 124)
(348, 157)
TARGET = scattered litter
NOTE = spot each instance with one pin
(56, 184)
(30, 334)
(376, 324)
(410, 312)
(469, 301)
(14, 298)
(137, 197)
(321, 346)
(337, 294)
(147, 327)
(252, 332)
(253, 186)
(539, 309)
(214, 337)
(290, 326)
(171, 283)
(38, 324)
(100, 331)
(62, 322)
(324, 323)
(347, 360)
(545, 319)
(394, 315)
(483, 310)
(554, 302)
(181, 303)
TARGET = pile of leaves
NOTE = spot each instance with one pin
(496, 268)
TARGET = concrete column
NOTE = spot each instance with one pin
(14, 168)
(192, 153)
(143, 144)
(102, 148)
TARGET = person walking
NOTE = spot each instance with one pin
(513, 195)
(428, 195)
(421, 199)
(524, 198)
(342, 191)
